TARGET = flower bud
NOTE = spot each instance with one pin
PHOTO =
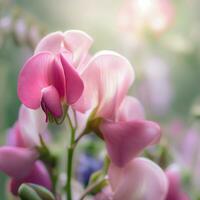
(34, 192)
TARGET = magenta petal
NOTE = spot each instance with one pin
(57, 76)
(74, 84)
(51, 101)
(140, 179)
(125, 140)
(38, 175)
(33, 78)
(16, 162)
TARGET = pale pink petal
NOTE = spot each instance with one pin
(138, 180)
(130, 109)
(51, 101)
(32, 123)
(14, 137)
(78, 43)
(175, 191)
(16, 162)
(38, 175)
(74, 84)
(125, 140)
(107, 79)
(52, 43)
(33, 78)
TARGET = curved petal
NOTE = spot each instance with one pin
(14, 137)
(125, 140)
(78, 43)
(130, 109)
(57, 77)
(74, 84)
(52, 43)
(33, 78)
(51, 101)
(16, 162)
(138, 180)
(107, 79)
(31, 124)
(38, 175)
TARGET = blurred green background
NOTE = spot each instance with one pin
(178, 49)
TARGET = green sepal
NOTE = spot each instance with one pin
(31, 191)
(26, 192)
(42, 192)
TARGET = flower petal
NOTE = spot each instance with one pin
(57, 77)
(51, 101)
(74, 84)
(125, 140)
(15, 161)
(138, 180)
(33, 78)
(78, 43)
(107, 79)
(175, 188)
(14, 137)
(31, 124)
(130, 109)
(52, 43)
(38, 175)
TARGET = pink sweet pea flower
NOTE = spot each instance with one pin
(49, 78)
(19, 158)
(140, 179)
(175, 191)
(120, 119)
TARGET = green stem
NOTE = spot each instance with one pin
(70, 160)
(91, 187)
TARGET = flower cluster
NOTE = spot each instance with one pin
(62, 80)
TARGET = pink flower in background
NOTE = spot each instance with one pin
(50, 77)
(139, 179)
(19, 158)
(156, 89)
(138, 16)
(175, 191)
